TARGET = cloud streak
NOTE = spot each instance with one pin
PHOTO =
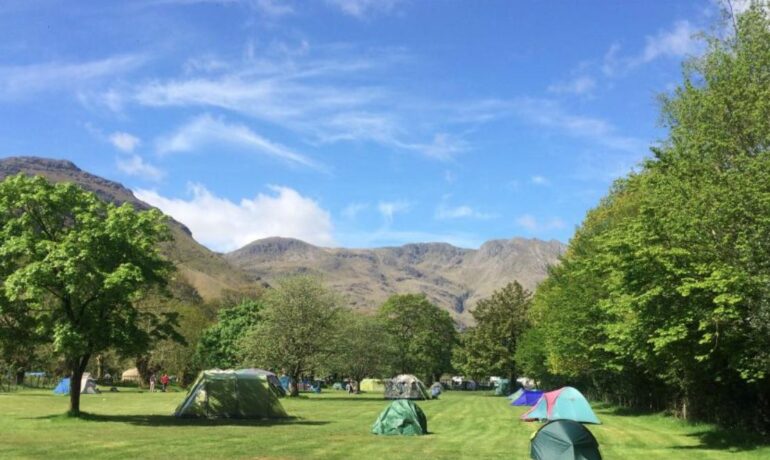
(21, 81)
(206, 131)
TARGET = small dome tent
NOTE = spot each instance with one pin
(405, 386)
(230, 394)
(563, 404)
(130, 375)
(401, 417)
(371, 385)
(564, 440)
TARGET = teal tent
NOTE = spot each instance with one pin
(563, 404)
(564, 440)
(401, 417)
(503, 387)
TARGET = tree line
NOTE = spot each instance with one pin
(662, 300)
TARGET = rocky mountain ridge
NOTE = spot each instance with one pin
(454, 278)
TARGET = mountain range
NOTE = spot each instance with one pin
(454, 278)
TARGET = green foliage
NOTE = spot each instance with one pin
(219, 345)
(423, 334)
(664, 293)
(297, 329)
(76, 266)
(363, 348)
(488, 348)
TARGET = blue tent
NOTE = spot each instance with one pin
(527, 398)
(63, 388)
(285, 381)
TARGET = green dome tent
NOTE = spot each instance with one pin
(401, 417)
(230, 394)
(564, 440)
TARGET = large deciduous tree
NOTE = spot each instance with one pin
(296, 330)
(219, 345)
(77, 265)
(364, 348)
(488, 348)
(424, 335)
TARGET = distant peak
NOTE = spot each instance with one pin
(31, 162)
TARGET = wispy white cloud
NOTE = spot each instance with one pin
(274, 8)
(20, 81)
(124, 141)
(532, 224)
(540, 180)
(388, 209)
(352, 210)
(580, 86)
(444, 212)
(134, 165)
(224, 225)
(206, 130)
(551, 114)
(363, 9)
(679, 41)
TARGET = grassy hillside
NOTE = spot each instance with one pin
(331, 425)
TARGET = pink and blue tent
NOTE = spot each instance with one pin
(563, 404)
(527, 398)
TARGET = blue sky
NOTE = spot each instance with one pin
(355, 123)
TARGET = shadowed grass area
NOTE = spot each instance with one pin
(133, 424)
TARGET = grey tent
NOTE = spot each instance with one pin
(405, 386)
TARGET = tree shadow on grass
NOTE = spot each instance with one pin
(170, 420)
(727, 440)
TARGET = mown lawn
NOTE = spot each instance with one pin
(332, 425)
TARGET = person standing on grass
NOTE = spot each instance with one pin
(152, 383)
(164, 381)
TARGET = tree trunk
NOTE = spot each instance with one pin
(77, 367)
(142, 366)
(294, 385)
(20, 377)
(99, 366)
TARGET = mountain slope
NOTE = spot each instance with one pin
(207, 271)
(454, 278)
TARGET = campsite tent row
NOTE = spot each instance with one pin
(562, 437)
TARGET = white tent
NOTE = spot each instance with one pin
(131, 375)
(88, 384)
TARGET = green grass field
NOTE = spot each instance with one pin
(132, 424)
